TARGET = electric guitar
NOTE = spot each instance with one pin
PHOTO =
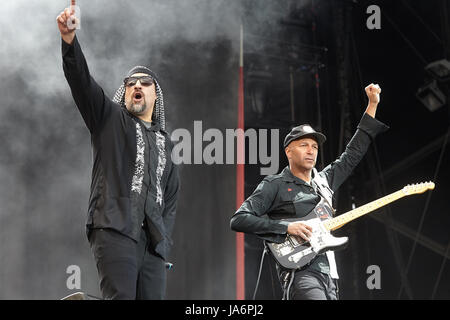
(295, 252)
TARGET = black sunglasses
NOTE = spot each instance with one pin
(146, 81)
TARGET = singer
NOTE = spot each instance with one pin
(134, 188)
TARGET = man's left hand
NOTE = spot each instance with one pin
(373, 93)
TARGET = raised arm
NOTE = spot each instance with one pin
(368, 128)
(88, 95)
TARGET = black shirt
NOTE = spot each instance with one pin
(133, 177)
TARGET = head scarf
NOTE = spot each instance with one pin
(158, 111)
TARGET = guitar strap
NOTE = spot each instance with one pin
(326, 193)
(323, 189)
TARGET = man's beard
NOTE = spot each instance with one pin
(137, 108)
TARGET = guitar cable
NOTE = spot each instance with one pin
(260, 271)
(288, 289)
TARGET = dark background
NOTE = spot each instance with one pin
(329, 41)
(304, 62)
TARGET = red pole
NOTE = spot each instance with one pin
(240, 255)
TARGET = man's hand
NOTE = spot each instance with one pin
(373, 93)
(64, 25)
(300, 229)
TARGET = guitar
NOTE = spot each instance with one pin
(294, 252)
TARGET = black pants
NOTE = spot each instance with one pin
(127, 270)
(308, 285)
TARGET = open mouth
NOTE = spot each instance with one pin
(137, 96)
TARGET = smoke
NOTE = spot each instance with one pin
(45, 155)
(114, 34)
(45, 146)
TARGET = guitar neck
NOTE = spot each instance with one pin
(342, 219)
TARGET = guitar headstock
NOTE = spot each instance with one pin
(418, 188)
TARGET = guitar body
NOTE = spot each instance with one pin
(295, 253)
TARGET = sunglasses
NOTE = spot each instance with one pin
(146, 81)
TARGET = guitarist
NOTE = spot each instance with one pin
(296, 191)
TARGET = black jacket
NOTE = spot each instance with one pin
(284, 195)
(119, 197)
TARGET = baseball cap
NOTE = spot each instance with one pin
(304, 131)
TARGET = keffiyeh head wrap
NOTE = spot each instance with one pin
(158, 111)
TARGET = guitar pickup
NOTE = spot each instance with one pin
(294, 241)
(297, 256)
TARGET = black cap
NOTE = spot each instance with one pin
(304, 131)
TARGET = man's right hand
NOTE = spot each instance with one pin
(300, 229)
(67, 33)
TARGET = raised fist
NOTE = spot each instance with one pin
(373, 93)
